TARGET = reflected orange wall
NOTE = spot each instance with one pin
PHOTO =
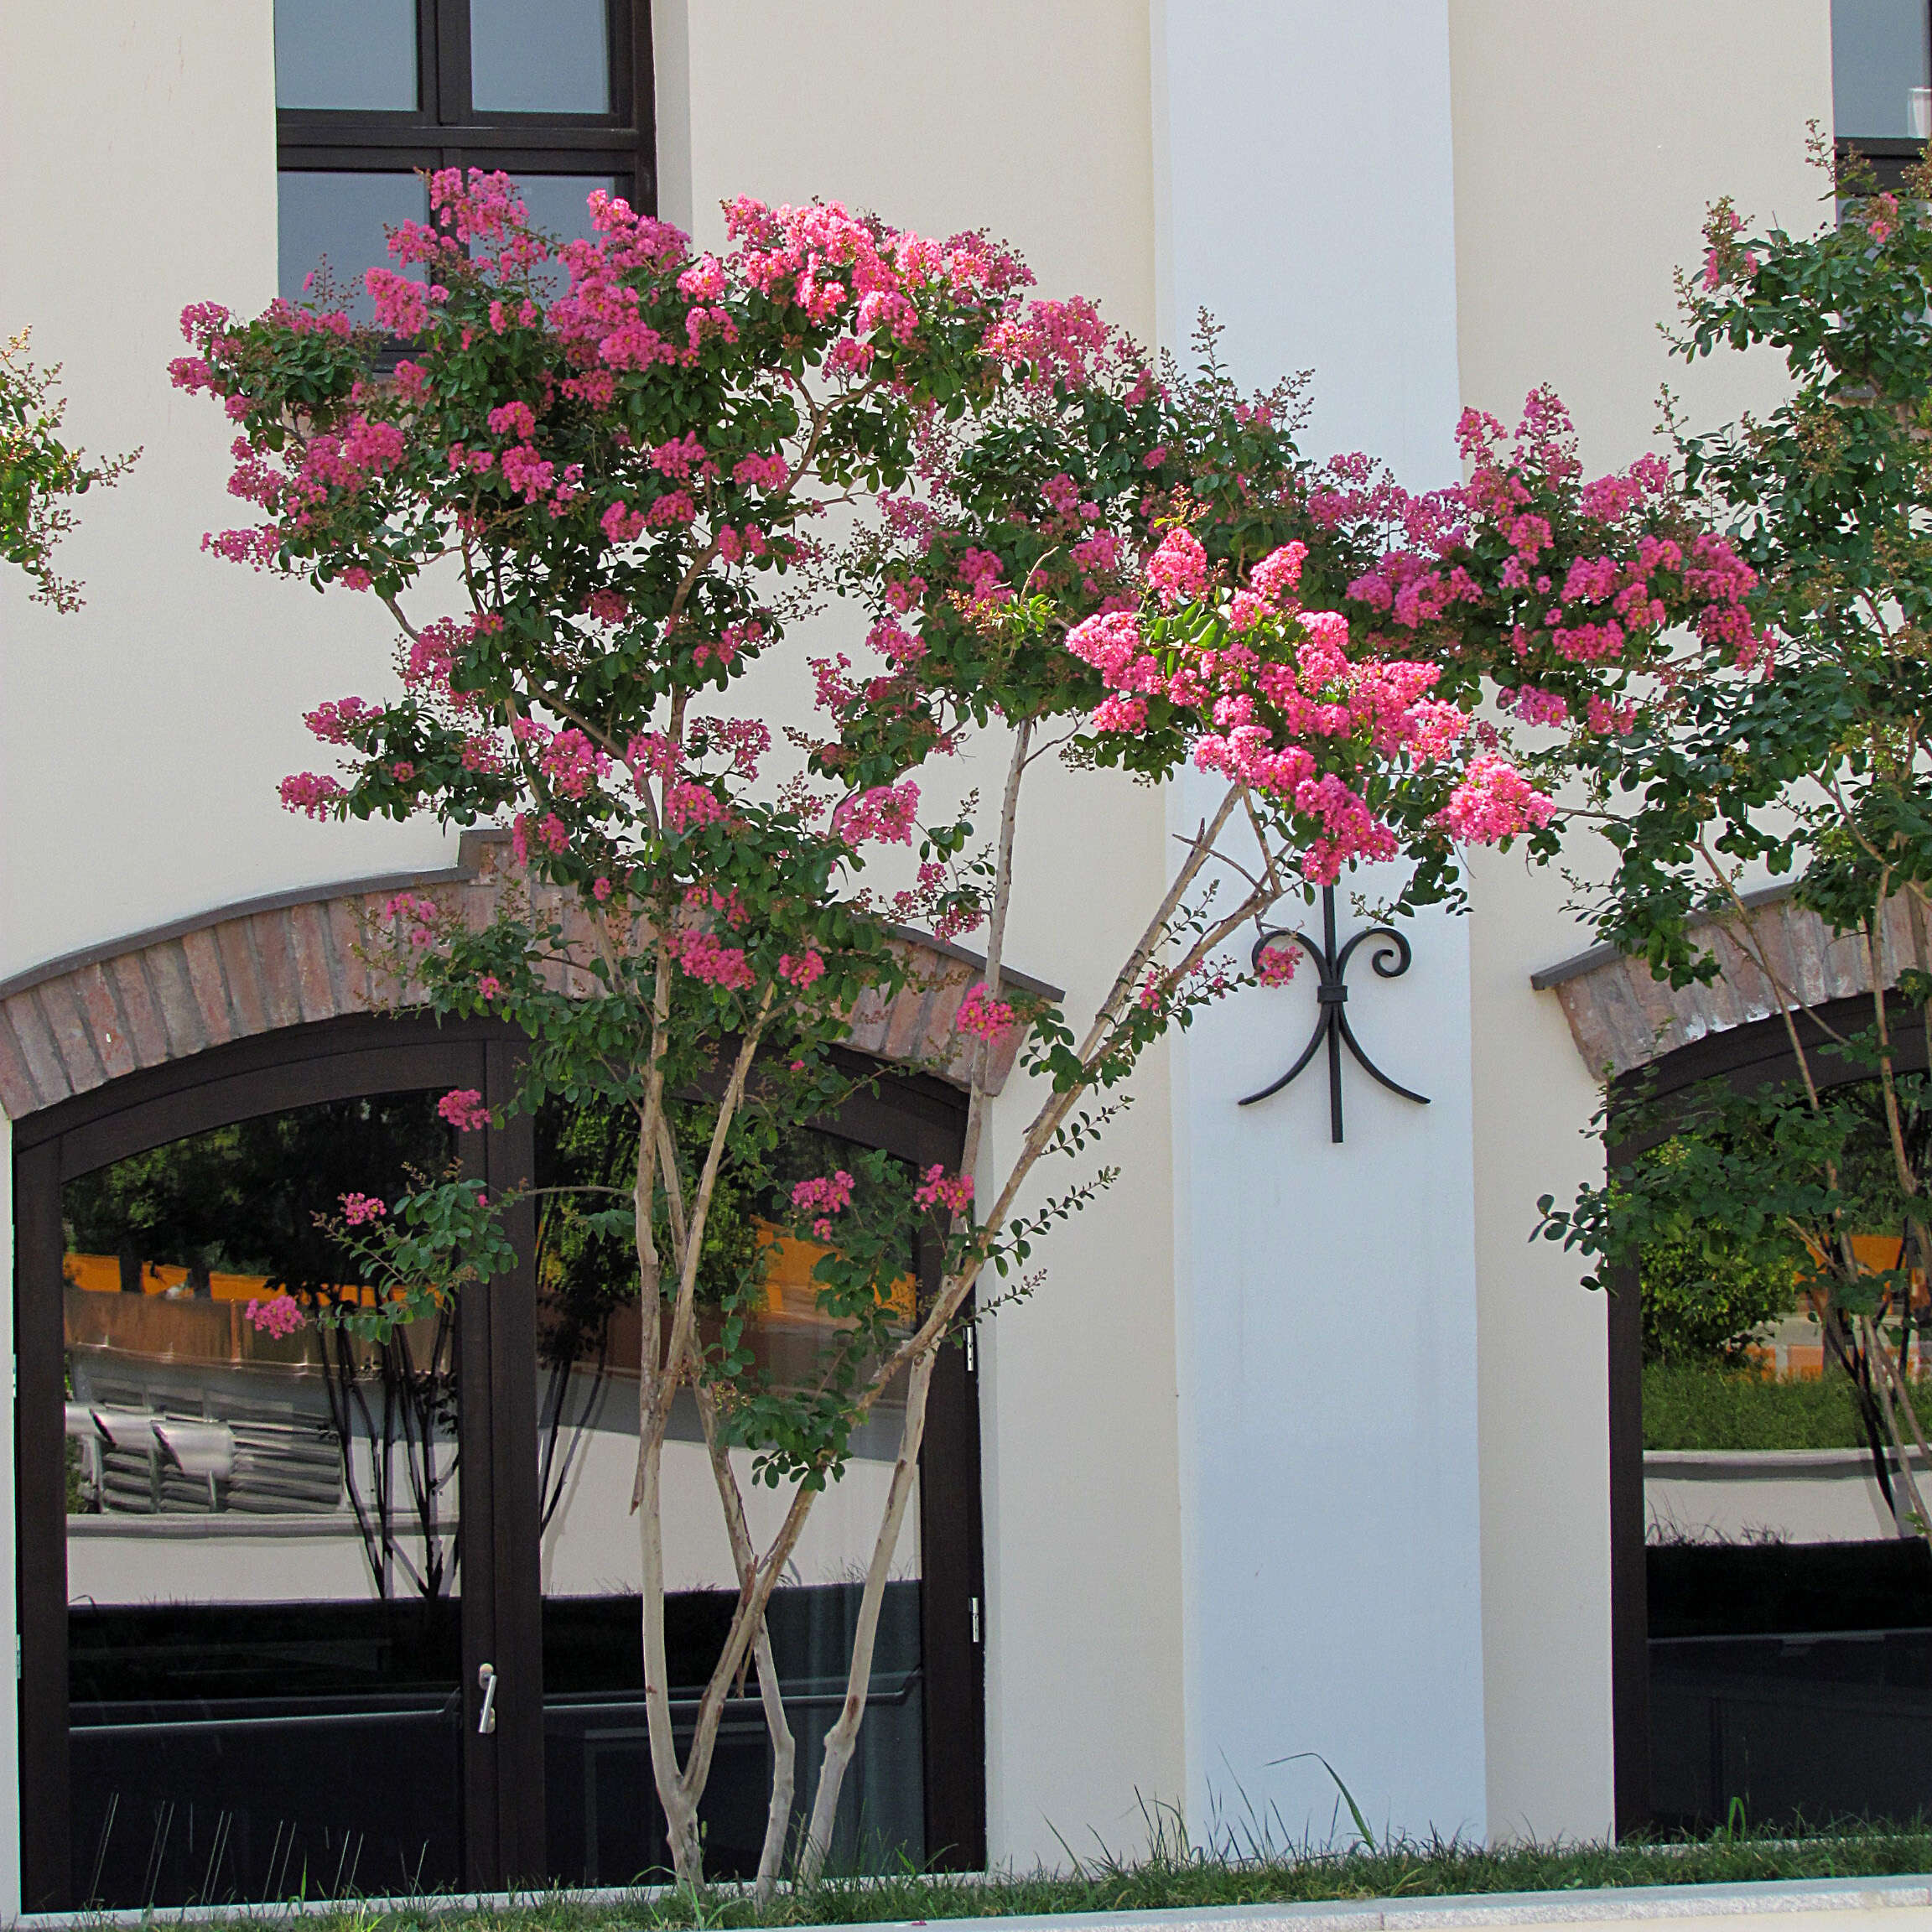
(100, 1275)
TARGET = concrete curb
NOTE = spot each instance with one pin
(1612, 1905)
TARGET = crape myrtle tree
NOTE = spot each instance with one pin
(591, 512)
(1816, 767)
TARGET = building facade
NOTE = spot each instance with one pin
(1303, 1448)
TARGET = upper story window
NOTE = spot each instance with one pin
(557, 93)
(1882, 80)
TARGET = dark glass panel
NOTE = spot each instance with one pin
(354, 53)
(539, 57)
(263, 1548)
(340, 222)
(1881, 69)
(605, 1825)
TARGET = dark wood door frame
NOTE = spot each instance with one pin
(916, 1117)
(1745, 1058)
(503, 1774)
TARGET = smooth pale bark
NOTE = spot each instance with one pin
(843, 1739)
(784, 1746)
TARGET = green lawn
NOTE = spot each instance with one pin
(1701, 1408)
(1194, 1880)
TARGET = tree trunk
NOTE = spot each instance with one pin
(842, 1739)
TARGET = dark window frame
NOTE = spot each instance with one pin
(914, 1116)
(443, 131)
(1887, 157)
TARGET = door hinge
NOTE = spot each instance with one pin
(973, 1602)
(972, 1354)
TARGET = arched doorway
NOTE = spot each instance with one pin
(245, 1672)
(1782, 1664)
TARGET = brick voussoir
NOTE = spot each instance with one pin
(176, 992)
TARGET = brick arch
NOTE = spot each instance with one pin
(78, 1022)
(1622, 1019)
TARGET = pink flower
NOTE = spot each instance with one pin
(489, 987)
(802, 971)
(278, 1315)
(985, 1019)
(311, 795)
(829, 1194)
(516, 420)
(1279, 572)
(1274, 965)
(886, 813)
(621, 525)
(333, 723)
(1495, 801)
(463, 1108)
(360, 1208)
(981, 572)
(939, 1190)
(1179, 568)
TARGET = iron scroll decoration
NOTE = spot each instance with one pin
(1391, 958)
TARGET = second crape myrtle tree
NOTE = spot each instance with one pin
(1815, 765)
(618, 489)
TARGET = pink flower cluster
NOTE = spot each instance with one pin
(463, 1108)
(942, 1190)
(277, 1315)
(358, 1210)
(333, 723)
(983, 1019)
(803, 970)
(702, 955)
(311, 794)
(572, 763)
(1495, 801)
(1275, 699)
(886, 813)
(827, 1194)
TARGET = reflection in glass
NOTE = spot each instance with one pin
(345, 54)
(1881, 69)
(605, 1825)
(262, 1533)
(340, 222)
(539, 57)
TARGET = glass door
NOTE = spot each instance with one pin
(259, 1671)
(300, 1617)
(604, 1827)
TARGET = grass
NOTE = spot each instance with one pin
(1169, 1877)
(1690, 1406)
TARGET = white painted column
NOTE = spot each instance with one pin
(1327, 1294)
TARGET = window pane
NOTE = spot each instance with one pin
(345, 54)
(596, 1748)
(263, 1570)
(539, 57)
(1881, 69)
(558, 204)
(343, 219)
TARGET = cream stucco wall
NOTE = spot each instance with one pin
(141, 740)
(1590, 136)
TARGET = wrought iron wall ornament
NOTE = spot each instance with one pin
(1391, 958)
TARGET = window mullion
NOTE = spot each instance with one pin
(452, 60)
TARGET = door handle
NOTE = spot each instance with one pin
(486, 1719)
